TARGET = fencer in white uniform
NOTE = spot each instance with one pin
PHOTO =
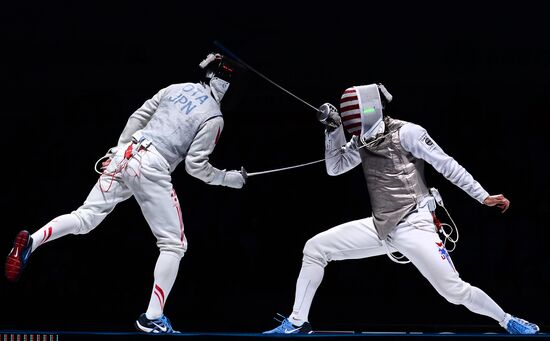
(392, 153)
(182, 122)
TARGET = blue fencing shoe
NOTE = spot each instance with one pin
(519, 326)
(287, 327)
(161, 325)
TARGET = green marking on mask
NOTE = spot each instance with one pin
(368, 110)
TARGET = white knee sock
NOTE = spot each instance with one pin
(479, 302)
(308, 281)
(166, 271)
(58, 227)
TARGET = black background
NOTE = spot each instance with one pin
(476, 76)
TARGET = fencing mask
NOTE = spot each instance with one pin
(361, 109)
(218, 74)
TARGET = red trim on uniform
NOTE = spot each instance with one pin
(178, 209)
(160, 301)
(218, 136)
(46, 236)
(158, 290)
(182, 235)
(349, 91)
(49, 233)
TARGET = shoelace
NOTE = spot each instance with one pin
(280, 316)
(284, 319)
(164, 322)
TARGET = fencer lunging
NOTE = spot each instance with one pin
(392, 153)
(182, 122)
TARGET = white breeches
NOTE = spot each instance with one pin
(416, 239)
(146, 176)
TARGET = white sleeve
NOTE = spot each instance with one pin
(338, 160)
(139, 119)
(196, 161)
(416, 140)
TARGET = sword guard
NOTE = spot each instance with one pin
(244, 174)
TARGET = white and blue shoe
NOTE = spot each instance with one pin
(516, 325)
(286, 327)
(161, 325)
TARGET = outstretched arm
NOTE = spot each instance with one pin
(416, 140)
(197, 161)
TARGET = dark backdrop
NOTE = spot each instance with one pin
(476, 76)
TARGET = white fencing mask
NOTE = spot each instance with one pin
(361, 110)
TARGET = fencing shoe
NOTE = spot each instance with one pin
(516, 325)
(160, 325)
(19, 256)
(286, 327)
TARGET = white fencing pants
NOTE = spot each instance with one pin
(146, 176)
(415, 238)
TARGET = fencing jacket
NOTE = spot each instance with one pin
(183, 122)
(394, 170)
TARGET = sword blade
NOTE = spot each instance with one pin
(284, 168)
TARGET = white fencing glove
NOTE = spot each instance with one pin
(328, 115)
(233, 179)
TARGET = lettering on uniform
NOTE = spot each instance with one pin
(444, 254)
(425, 138)
(202, 98)
(188, 107)
(196, 91)
(187, 100)
(188, 87)
(187, 104)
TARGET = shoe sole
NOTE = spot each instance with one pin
(14, 266)
(142, 328)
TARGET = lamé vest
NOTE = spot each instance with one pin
(395, 179)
